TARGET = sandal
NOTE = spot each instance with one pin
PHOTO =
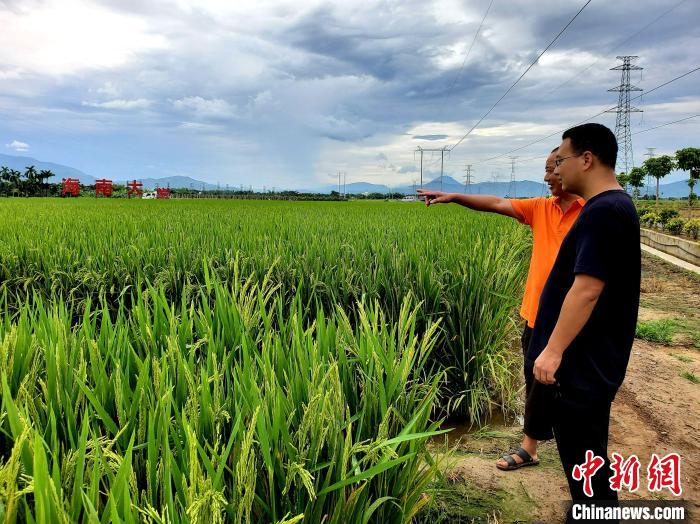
(512, 464)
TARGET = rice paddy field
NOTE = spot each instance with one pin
(243, 361)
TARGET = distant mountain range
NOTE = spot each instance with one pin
(519, 189)
(183, 182)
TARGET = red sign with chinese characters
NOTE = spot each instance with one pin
(70, 187)
(103, 188)
(163, 192)
(135, 188)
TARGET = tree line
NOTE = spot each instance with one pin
(29, 183)
(687, 159)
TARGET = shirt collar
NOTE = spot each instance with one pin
(580, 201)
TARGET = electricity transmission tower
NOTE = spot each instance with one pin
(511, 187)
(441, 150)
(650, 154)
(341, 185)
(623, 110)
(421, 164)
(468, 178)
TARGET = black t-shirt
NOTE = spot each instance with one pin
(603, 243)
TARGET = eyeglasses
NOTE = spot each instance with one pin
(559, 161)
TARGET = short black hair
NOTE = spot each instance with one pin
(595, 138)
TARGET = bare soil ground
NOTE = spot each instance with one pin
(657, 410)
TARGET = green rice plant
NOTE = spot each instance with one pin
(244, 361)
(227, 406)
(660, 331)
(465, 268)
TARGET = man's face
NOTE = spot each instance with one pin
(553, 180)
(568, 170)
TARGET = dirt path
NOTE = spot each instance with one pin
(657, 410)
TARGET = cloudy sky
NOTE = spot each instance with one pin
(286, 93)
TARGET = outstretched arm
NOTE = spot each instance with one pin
(488, 203)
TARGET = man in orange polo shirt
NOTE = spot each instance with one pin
(550, 219)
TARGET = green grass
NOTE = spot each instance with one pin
(486, 432)
(692, 377)
(660, 331)
(464, 502)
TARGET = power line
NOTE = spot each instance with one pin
(650, 150)
(522, 75)
(586, 120)
(664, 125)
(459, 73)
(662, 85)
(576, 75)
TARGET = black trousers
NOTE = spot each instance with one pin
(535, 426)
(580, 422)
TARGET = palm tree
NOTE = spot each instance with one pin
(15, 179)
(31, 183)
(4, 179)
(43, 177)
(659, 167)
(688, 159)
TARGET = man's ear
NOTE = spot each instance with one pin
(587, 160)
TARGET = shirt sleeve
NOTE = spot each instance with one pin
(524, 209)
(598, 235)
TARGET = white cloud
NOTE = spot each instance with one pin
(10, 74)
(139, 103)
(199, 126)
(205, 107)
(59, 37)
(108, 89)
(20, 147)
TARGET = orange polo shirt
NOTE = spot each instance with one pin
(549, 227)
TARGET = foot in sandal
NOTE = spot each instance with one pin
(526, 455)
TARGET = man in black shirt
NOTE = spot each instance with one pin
(587, 313)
